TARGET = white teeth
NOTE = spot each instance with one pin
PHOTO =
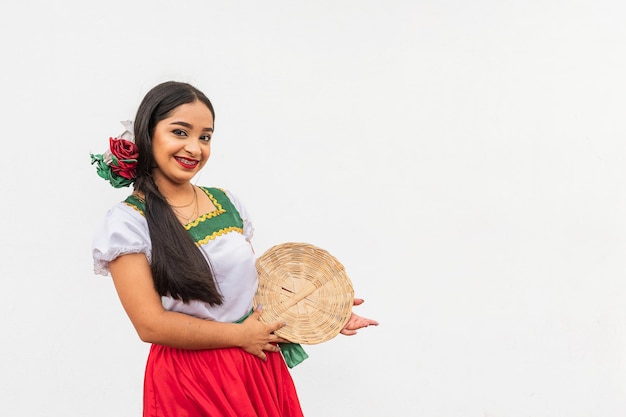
(187, 161)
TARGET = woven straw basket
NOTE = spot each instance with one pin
(305, 287)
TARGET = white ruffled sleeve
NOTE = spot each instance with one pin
(248, 229)
(123, 231)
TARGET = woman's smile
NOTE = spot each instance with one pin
(186, 163)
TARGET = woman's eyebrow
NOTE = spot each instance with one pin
(189, 126)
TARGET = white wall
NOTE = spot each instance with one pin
(465, 161)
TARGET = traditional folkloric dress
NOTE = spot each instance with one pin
(214, 382)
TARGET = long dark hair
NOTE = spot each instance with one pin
(179, 269)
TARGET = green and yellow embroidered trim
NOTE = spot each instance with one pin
(219, 233)
(136, 203)
(218, 210)
(224, 219)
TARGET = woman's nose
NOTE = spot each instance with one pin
(192, 147)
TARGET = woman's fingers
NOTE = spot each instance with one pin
(261, 337)
(355, 323)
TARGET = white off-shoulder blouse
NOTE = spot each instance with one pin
(223, 236)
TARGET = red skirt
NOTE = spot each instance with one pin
(217, 382)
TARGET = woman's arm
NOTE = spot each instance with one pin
(133, 282)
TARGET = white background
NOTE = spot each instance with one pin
(465, 161)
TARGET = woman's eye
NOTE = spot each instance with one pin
(179, 132)
(205, 138)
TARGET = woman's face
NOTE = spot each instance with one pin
(181, 144)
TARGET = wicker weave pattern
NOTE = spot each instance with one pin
(307, 288)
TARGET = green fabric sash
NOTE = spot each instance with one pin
(293, 353)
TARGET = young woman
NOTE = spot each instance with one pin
(184, 269)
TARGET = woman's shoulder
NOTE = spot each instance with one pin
(125, 215)
(234, 200)
(220, 192)
(132, 206)
(124, 229)
(213, 189)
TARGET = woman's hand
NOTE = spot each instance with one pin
(259, 337)
(357, 322)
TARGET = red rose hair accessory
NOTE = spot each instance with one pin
(118, 164)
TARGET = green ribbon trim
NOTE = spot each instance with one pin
(293, 353)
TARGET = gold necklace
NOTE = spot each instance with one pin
(193, 198)
(194, 213)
